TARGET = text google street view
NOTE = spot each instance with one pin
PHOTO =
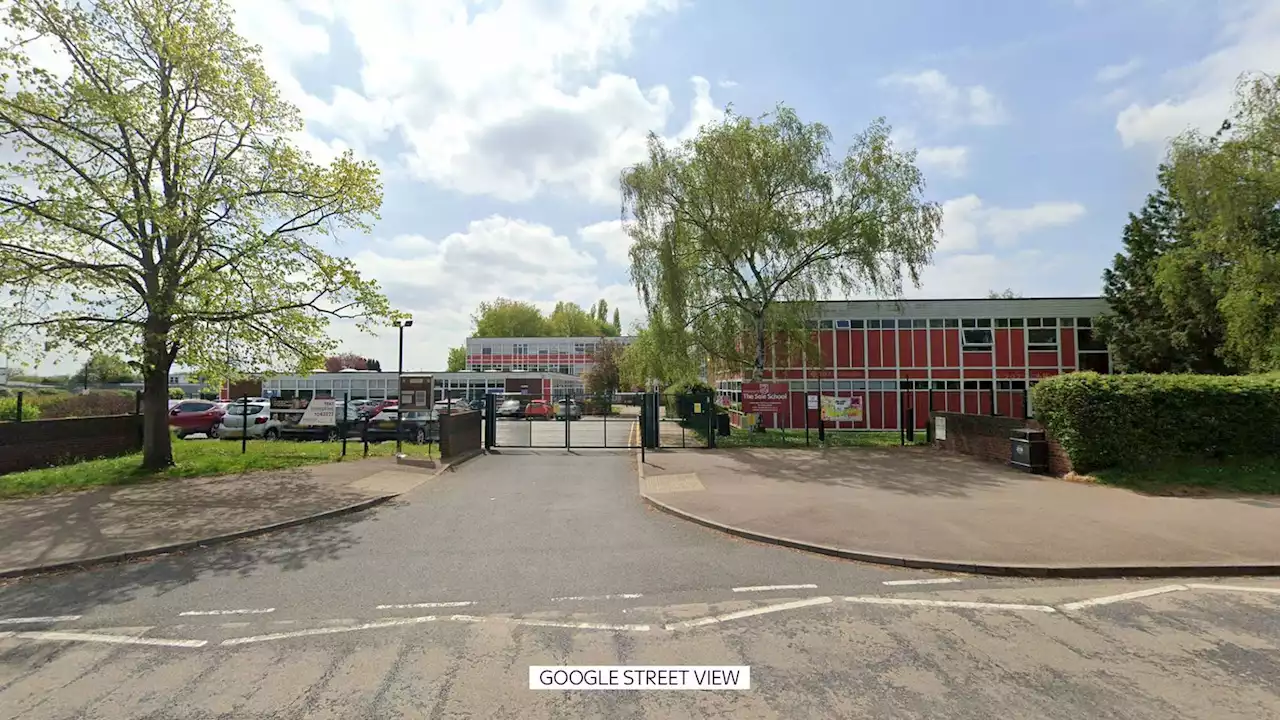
(925, 372)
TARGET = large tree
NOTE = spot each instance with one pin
(457, 359)
(1229, 186)
(740, 230)
(153, 204)
(508, 318)
(101, 369)
(570, 320)
(605, 375)
(1162, 305)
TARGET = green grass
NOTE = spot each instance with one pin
(1253, 476)
(776, 438)
(197, 458)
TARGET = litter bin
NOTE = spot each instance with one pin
(722, 424)
(1029, 450)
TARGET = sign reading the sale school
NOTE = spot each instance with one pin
(842, 408)
(765, 397)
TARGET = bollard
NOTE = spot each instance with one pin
(244, 424)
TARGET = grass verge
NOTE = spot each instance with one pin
(197, 458)
(778, 438)
(1253, 476)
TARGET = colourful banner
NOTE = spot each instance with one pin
(842, 408)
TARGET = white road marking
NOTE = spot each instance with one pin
(408, 606)
(1108, 599)
(930, 581)
(93, 637)
(764, 588)
(713, 619)
(1235, 588)
(240, 611)
(550, 623)
(628, 596)
(234, 625)
(38, 619)
(393, 622)
(948, 604)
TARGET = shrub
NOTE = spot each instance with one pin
(176, 393)
(1125, 420)
(680, 399)
(9, 410)
(93, 404)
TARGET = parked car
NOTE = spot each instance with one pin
(419, 426)
(510, 409)
(191, 417)
(539, 410)
(254, 416)
(376, 405)
(568, 410)
(452, 405)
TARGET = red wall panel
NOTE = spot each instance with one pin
(1043, 359)
(882, 374)
(857, 351)
(954, 399)
(1002, 349)
(952, 347)
(937, 348)
(874, 409)
(842, 340)
(906, 358)
(977, 359)
(826, 341)
(1067, 338)
(920, 346)
(946, 373)
(888, 356)
(874, 355)
(1018, 344)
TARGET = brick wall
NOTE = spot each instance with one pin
(45, 443)
(987, 437)
(459, 433)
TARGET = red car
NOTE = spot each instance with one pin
(539, 409)
(196, 416)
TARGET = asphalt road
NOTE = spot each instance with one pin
(436, 606)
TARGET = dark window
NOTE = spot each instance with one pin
(842, 323)
(1015, 322)
(953, 384)
(904, 385)
(1086, 341)
(970, 384)
(984, 322)
(919, 324)
(873, 324)
(486, 350)
(1033, 322)
(857, 324)
(825, 324)
(939, 385)
(922, 384)
(1084, 322)
(969, 322)
(1048, 322)
(888, 324)
(1042, 339)
(935, 323)
(1067, 322)
(952, 322)
(1096, 362)
(1002, 322)
(976, 339)
(984, 384)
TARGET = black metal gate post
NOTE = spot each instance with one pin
(567, 413)
(346, 405)
(490, 420)
(641, 428)
(244, 424)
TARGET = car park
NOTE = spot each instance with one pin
(193, 417)
(256, 417)
(539, 410)
(510, 409)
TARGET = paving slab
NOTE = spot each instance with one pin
(922, 508)
(81, 528)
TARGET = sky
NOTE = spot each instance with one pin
(501, 126)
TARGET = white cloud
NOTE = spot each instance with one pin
(612, 239)
(506, 100)
(952, 161)
(1201, 94)
(972, 275)
(1118, 72)
(966, 222)
(951, 104)
(727, 84)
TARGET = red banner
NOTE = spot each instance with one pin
(765, 397)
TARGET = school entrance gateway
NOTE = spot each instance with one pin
(578, 421)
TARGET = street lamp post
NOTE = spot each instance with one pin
(401, 324)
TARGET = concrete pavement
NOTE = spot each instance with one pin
(920, 508)
(80, 528)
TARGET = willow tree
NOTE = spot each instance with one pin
(739, 231)
(153, 205)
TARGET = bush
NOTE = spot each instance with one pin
(9, 410)
(1106, 421)
(176, 393)
(680, 399)
(93, 404)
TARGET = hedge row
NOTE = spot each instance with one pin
(1126, 420)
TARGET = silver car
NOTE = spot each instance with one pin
(255, 416)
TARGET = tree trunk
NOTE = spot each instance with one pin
(157, 445)
(757, 371)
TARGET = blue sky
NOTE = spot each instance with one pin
(501, 125)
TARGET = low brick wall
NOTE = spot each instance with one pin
(45, 443)
(460, 433)
(987, 437)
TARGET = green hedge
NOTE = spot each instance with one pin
(9, 410)
(1106, 421)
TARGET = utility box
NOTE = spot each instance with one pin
(722, 424)
(1029, 450)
